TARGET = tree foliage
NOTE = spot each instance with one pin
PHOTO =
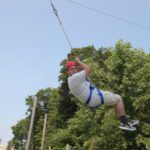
(122, 69)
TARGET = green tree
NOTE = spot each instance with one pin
(121, 69)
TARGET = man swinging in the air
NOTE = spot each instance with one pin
(81, 88)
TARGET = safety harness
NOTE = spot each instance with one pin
(91, 87)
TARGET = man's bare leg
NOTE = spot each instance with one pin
(120, 108)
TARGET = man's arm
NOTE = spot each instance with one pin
(83, 66)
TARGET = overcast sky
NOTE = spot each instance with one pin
(32, 44)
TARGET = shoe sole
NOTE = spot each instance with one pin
(137, 122)
(129, 129)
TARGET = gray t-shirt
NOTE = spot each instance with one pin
(79, 86)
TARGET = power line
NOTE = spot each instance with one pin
(108, 15)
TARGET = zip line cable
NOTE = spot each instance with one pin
(108, 15)
(55, 12)
(66, 36)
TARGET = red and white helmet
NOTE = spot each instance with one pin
(70, 64)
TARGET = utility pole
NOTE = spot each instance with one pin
(49, 148)
(43, 135)
(68, 147)
(31, 123)
(12, 148)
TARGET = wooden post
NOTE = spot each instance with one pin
(31, 123)
(49, 148)
(43, 135)
(68, 147)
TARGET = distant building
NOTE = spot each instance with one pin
(2, 147)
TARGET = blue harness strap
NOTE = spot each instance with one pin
(101, 96)
(90, 95)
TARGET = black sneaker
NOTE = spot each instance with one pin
(128, 127)
(133, 122)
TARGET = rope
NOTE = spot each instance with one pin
(60, 23)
